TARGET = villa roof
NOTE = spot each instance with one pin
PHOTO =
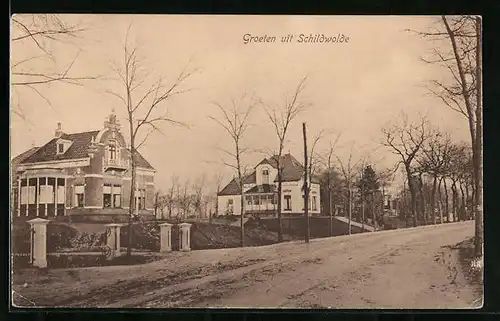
(78, 149)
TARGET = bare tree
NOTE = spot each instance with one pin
(145, 106)
(463, 93)
(327, 160)
(281, 118)
(171, 196)
(41, 31)
(406, 140)
(349, 172)
(433, 160)
(218, 184)
(235, 121)
(198, 189)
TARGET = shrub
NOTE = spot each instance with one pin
(60, 236)
(145, 236)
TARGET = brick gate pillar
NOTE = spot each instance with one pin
(38, 248)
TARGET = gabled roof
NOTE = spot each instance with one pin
(233, 189)
(264, 188)
(19, 158)
(293, 171)
(78, 149)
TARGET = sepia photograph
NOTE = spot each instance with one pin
(246, 161)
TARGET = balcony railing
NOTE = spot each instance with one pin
(115, 164)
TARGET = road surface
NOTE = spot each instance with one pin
(407, 268)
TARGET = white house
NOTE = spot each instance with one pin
(260, 190)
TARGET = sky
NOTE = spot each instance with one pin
(354, 88)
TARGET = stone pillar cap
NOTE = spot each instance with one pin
(113, 225)
(185, 225)
(38, 221)
(166, 224)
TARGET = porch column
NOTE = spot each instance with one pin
(165, 237)
(55, 196)
(46, 201)
(38, 255)
(65, 196)
(18, 209)
(27, 194)
(37, 195)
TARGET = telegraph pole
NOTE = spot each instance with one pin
(306, 185)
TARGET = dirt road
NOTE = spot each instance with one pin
(410, 268)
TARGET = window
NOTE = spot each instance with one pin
(79, 196)
(256, 200)
(314, 205)
(117, 195)
(112, 195)
(32, 191)
(106, 190)
(140, 198)
(265, 176)
(60, 148)
(61, 191)
(229, 206)
(249, 200)
(112, 152)
(24, 192)
(288, 202)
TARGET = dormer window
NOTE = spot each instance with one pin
(62, 146)
(265, 176)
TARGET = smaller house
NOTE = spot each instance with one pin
(261, 189)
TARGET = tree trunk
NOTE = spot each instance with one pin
(440, 199)
(447, 200)
(362, 211)
(373, 212)
(467, 202)
(278, 207)
(350, 206)
(422, 199)
(132, 204)
(306, 185)
(454, 201)
(433, 199)
(478, 146)
(413, 196)
(330, 210)
(462, 207)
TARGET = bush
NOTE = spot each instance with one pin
(21, 238)
(145, 236)
(60, 236)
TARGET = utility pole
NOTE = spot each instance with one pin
(306, 185)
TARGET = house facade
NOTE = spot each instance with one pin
(81, 174)
(261, 190)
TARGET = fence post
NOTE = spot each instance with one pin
(38, 248)
(113, 238)
(184, 237)
(165, 237)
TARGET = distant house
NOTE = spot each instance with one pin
(82, 174)
(261, 186)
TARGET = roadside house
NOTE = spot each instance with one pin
(85, 175)
(260, 189)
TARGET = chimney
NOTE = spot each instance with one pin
(58, 131)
